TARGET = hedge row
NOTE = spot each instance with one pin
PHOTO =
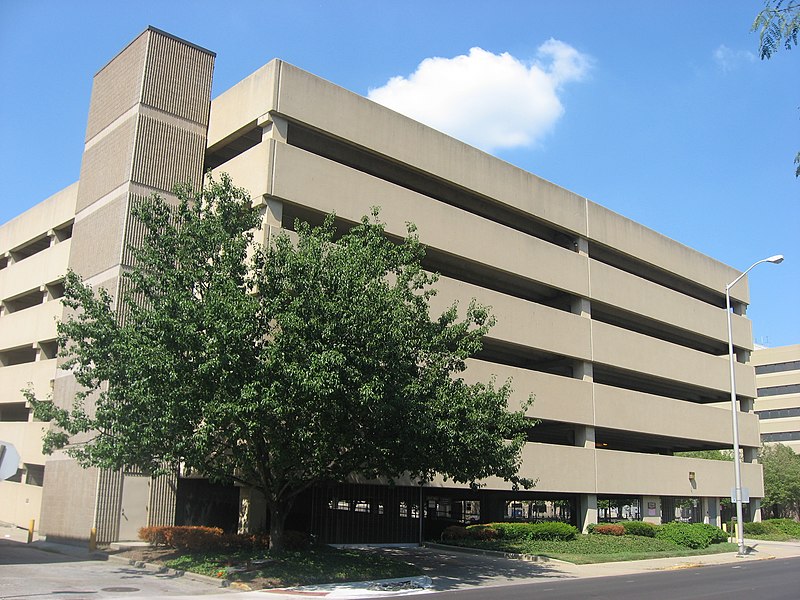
(772, 526)
(691, 535)
(512, 531)
(624, 528)
(211, 539)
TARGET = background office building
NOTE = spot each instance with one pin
(619, 331)
(778, 388)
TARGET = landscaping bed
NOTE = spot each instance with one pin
(589, 549)
(629, 540)
(774, 530)
(260, 570)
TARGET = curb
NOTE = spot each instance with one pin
(538, 558)
(161, 569)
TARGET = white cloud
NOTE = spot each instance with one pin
(492, 101)
(728, 59)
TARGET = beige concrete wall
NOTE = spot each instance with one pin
(304, 178)
(642, 354)
(620, 409)
(519, 321)
(779, 354)
(42, 268)
(620, 289)
(68, 509)
(631, 473)
(556, 398)
(20, 503)
(16, 377)
(24, 327)
(39, 219)
(554, 468)
(311, 100)
(243, 104)
(635, 240)
(26, 438)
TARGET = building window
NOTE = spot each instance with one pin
(409, 510)
(619, 508)
(339, 504)
(778, 390)
(784, 436)
(439, 508)
(792, 365)
(34, 475)
(778, 413)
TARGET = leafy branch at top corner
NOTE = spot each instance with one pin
(777, 24)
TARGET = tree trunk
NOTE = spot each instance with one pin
(278, 511)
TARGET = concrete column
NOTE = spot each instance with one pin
(582, 307)
(587, 511)
(252, 511)
(746, 405)
(711, 514)
(273, 127)
(755, 509)
(750, 455)
(53, 239)
(584, 436)
(651, 509)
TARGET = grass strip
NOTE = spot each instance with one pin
(589, 549)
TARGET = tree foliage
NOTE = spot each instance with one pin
(781, 480)
(278, 366)
(708, 454)
(778, 24)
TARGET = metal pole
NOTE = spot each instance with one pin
(737, 467)
(735, 416)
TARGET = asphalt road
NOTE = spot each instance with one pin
(758, 580)
(27, 573)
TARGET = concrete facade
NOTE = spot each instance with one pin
(619, 331)
(778, 386)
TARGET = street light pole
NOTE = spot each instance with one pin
(737, 467)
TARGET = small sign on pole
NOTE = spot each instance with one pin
(745, 494)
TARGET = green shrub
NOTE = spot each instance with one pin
(609, 529)
(639, 528)
(691, 535)
(209, 539)
(760, 528)
(455, 532)
(482, 532)
(292, 540)
(715, 534)
(787, 526)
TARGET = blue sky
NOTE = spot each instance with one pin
(658, 110)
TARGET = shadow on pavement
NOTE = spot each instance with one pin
(37, 553)
(455, 570)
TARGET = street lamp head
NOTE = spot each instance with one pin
(777, 259)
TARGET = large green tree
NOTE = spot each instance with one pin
(277, 367)
(781, 480)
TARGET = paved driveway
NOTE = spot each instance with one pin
(458, 570)
(28, 573)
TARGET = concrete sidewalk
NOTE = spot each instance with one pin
(449, 569)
